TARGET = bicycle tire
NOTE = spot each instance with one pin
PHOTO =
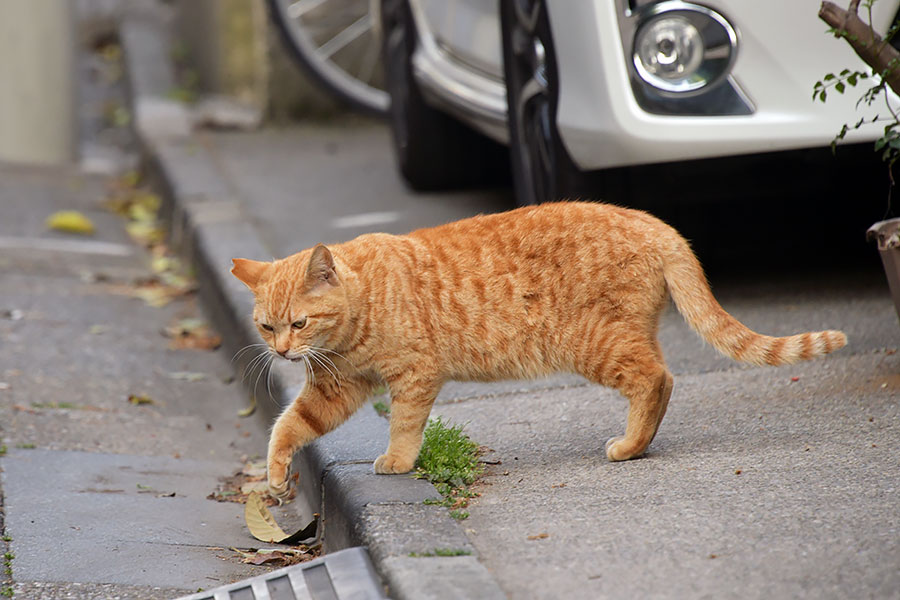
(364, 95)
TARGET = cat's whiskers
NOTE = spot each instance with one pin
(246, 349)
(326, 363)
(325, 360)
(310, 374)
(269, 380)
(265, 367)
(320, 349)
(255, 362)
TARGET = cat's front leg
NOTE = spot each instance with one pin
(317, 410)
(411, 401)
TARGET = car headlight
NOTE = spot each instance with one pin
(681, 47)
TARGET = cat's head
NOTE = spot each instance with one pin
(301, 302)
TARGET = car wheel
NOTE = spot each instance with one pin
(541, 168)
(434, 151)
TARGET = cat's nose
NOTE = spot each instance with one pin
(282, 353)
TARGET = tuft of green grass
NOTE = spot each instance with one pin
(449, 460)
(381, 408)
(57, 405)
(441, 552)
(3, 449)
(448, 455)
(26, 446)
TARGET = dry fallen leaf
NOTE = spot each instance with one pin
(145, 233)
(192, 334)
(260, 521)
(70, 221)
(278, 557)
(259, 487)
(187, 376)
(539, 536)
(255, 469)
(248, 410)
(263, 527)
(139, 400)
(154, 293)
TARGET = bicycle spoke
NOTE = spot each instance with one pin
(351, 33)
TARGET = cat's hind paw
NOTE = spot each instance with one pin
(618, 449)
(388, 463)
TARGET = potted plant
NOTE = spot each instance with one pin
(884, 60)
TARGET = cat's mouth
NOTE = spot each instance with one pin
(291, 356)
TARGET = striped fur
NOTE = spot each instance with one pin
(572, 287)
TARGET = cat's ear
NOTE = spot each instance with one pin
(321, 269)
(251, 272)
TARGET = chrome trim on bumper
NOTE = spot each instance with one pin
(482, 108)
(476, 99)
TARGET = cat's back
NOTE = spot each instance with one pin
(544, 230)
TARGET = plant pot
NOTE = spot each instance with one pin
(887, 236)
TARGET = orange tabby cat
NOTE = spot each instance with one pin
(575, 287)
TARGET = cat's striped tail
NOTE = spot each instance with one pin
(690, 290)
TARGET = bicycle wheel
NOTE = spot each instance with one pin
(333, 41)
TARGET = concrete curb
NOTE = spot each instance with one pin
(209, 225)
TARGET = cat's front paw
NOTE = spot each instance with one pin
(391, 463)
(280, 485)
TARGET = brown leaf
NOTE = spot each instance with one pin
(539, 536)
(255, 469)
(259, 487)
(260, 521)
(263, 527)
(193, 334)
(278, 558)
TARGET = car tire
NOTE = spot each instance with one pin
(542, 170)
(433, 150)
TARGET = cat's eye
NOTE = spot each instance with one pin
(267, 327)
(299, 324)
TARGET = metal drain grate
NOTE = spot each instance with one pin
(338, 576)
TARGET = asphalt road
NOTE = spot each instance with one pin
(761, 483)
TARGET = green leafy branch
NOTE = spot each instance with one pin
(839, 82)
(884, 60)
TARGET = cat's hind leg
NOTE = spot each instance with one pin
(648, 398)
(635, 368)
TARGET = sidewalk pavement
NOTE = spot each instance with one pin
(102, 497)
(761, 483)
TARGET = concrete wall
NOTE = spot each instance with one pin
(37, 67)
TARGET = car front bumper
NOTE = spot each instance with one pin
(783, 50)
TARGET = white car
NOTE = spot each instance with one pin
(576, 86)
